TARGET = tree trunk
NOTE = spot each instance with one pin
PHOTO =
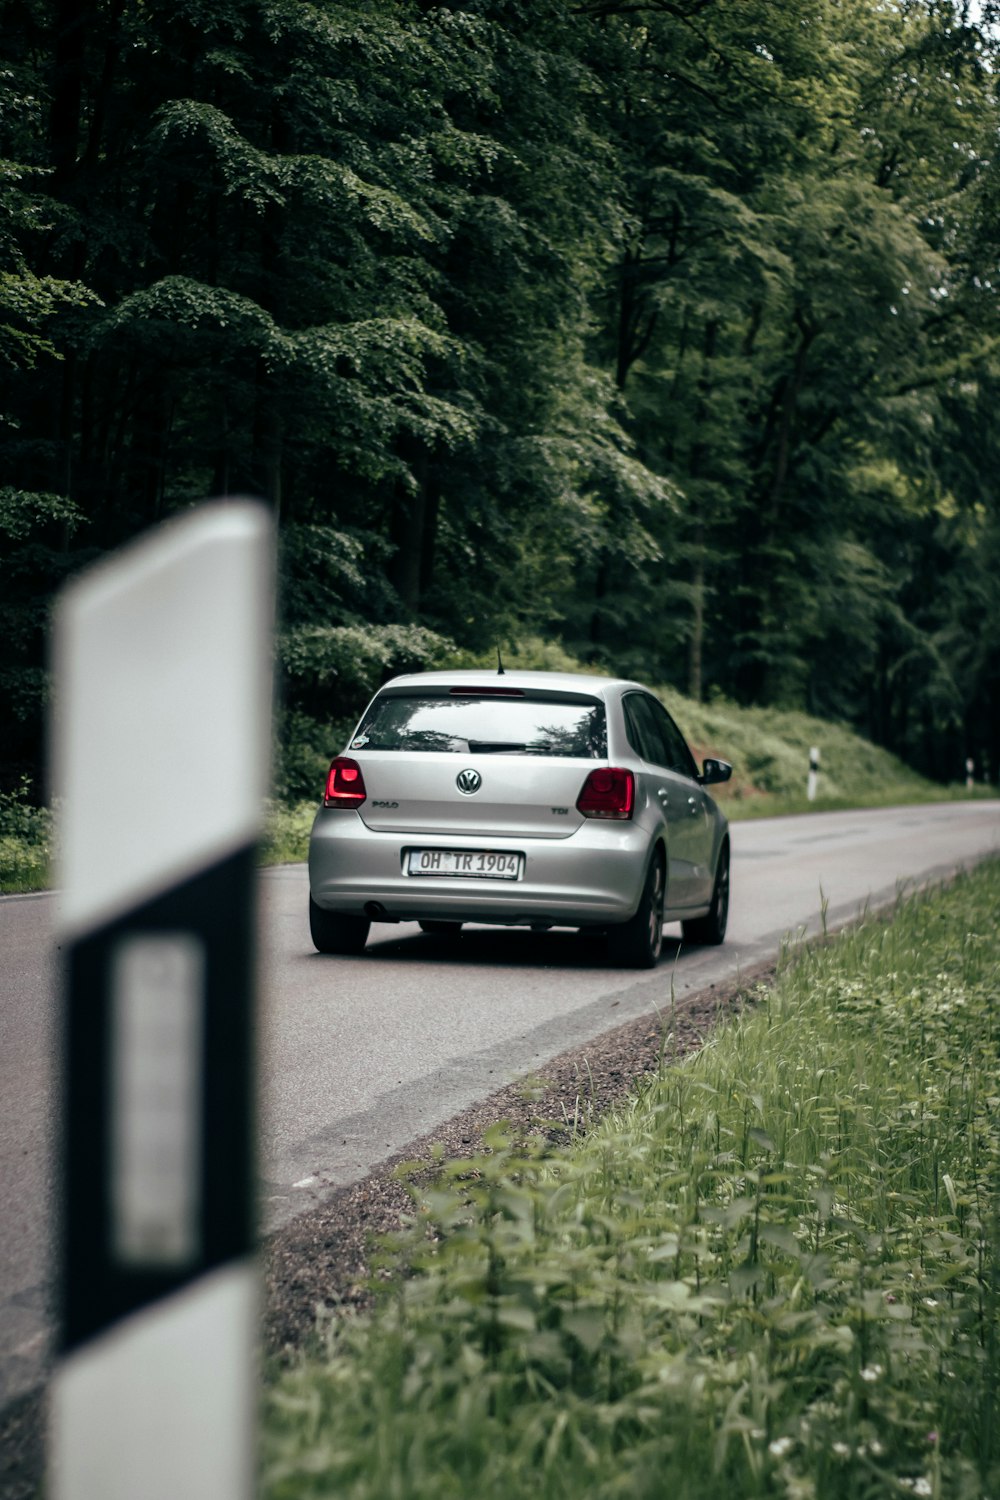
(408, 532)
(789, 405)
(634, 311)
(697, 643)
(70, 31)
(268, 440)
(428, 548)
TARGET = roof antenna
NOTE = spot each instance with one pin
(500, 670)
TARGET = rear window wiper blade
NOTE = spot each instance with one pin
(487, 747)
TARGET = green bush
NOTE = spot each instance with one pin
(304, 748)
(330, 671)
(25, 841)
(532, 654)
(328, 674)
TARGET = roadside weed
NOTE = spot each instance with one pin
(775, 1272)
(286, 832)
(25, 841)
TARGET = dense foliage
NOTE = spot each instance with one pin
(669, 330)
(776, 1273)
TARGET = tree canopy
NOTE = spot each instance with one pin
(664, 329)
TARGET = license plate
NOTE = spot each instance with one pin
(466, 864)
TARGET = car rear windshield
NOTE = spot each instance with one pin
(492, 725)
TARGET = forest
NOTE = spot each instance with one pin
(661, 334)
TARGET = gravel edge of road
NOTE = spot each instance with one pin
(321, 1263)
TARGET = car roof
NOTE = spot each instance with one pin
(564, 682)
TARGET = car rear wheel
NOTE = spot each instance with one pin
(636, 944)
(710, 930)
(332, 932)
(441, 929)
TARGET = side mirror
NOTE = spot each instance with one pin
(715, 771)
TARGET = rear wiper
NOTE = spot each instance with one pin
(487, 747)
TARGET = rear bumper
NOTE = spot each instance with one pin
(595, 876)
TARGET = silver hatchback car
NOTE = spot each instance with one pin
(537, 799)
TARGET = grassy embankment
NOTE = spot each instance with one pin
(768, 748)
(776, 1272)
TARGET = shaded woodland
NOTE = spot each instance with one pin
(667, 331)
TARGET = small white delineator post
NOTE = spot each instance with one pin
(970, 773)
(160, 751)
(813, 782)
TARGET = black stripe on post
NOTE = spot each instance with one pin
(160, 1100)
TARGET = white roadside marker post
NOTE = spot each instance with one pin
(161, 736)
(813, 782)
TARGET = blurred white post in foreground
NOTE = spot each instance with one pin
(161, 734)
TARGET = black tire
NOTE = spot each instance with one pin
(710, 930)
(441, 929)
(637, 943)
(332, 932)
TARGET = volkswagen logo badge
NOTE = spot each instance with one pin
(468, 782)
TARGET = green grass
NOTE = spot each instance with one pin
(775, 1273)
(286, 832)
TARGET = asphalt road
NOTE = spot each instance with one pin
(361, 1056)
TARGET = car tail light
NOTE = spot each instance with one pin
(345, 785)
(608, 792)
